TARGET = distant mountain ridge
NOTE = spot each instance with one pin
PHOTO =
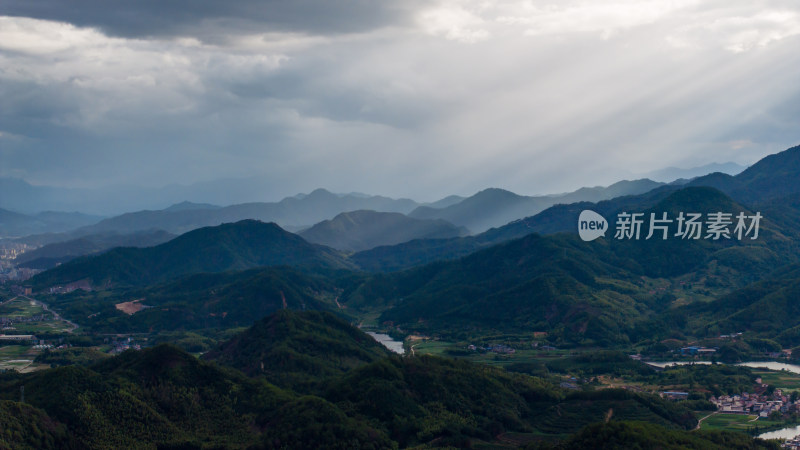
(557, 218)
(362, 230)
(50, 255)
(494, 207)
(291, 211)
(14, 224)
(187, 206)
(669, 174)
(486, 209)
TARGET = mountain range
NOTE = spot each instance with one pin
(492, 207)
(582, 293)
(589, 292)
(548, 282)
(13, 224)
(486, 209)
(770, 185)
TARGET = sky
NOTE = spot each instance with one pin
(406, 98)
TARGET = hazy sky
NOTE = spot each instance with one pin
(404, 98)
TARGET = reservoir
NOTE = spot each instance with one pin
(783, 433)
(388, 342)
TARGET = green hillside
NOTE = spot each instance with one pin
(416, 399)
(27, 428)
(233, 246)
(165, 397)
(298, 349)
(200, 301)
(764, 309)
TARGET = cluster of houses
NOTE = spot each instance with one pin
(74, 286)
(792, 444)
(694, 350)
(119, 346)
(7, 322)
(758, 403)
(496, 348)
(505, 349)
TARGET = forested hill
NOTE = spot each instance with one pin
(232, 246)
(163, 397)
(287, 347)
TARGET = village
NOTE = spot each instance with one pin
(760, 402)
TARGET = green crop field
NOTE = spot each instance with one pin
(735, 422)
(14, 352)
(17, 357)
(20, 307)
(783, 380)
(430, 347)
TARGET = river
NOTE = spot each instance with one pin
(771, 365)
(388, 342)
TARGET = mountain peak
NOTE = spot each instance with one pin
(496, 193)
(336, 347)
(187, 205)
(321, 192)
(230, 246)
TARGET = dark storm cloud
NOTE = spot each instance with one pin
(205, 19)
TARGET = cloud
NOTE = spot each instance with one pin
(399, 98)
(605, 18)
(216, 20)
(455, 23)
